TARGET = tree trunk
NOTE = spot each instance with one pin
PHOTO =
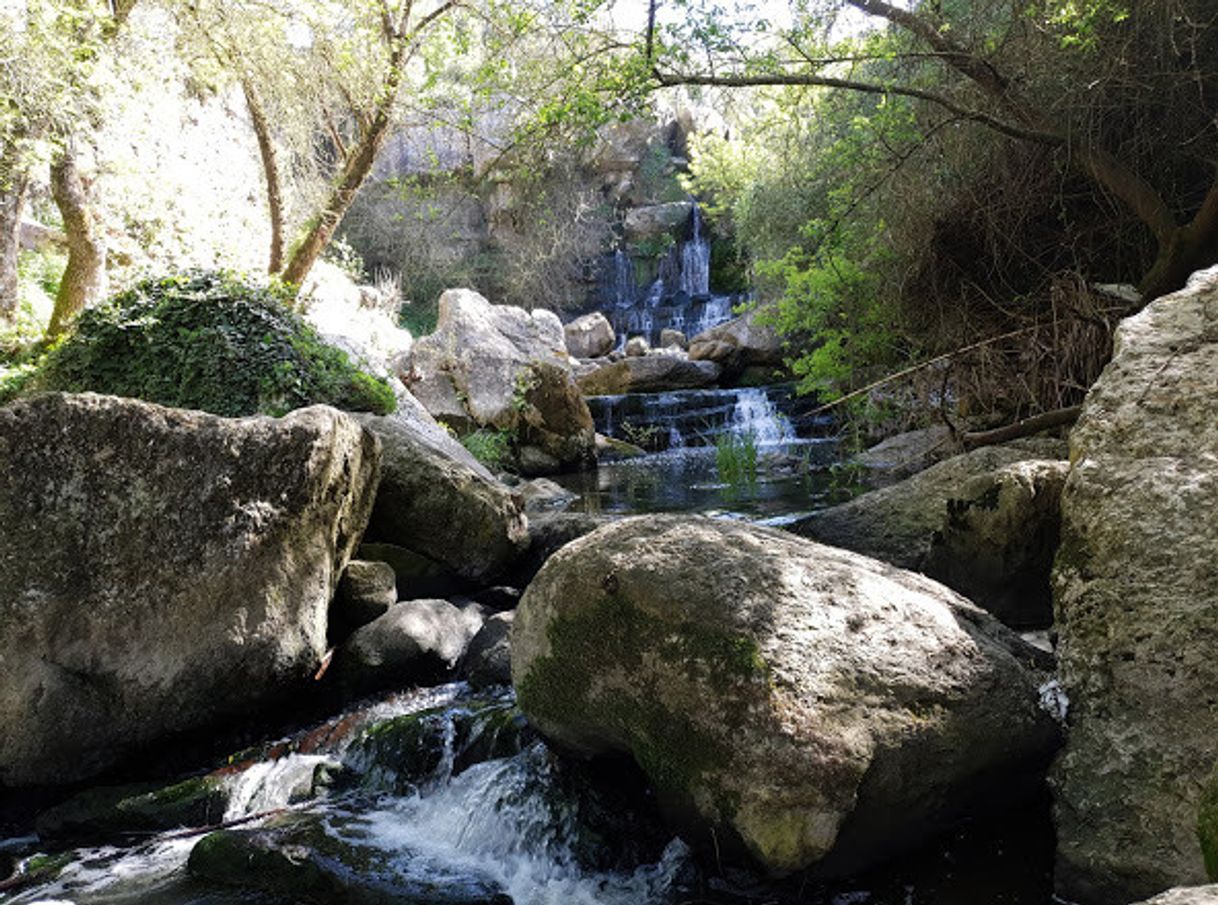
(14, 186)
(84, 280)
(270, 170)
(356, 167)
(1186, 250)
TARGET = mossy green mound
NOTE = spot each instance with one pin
(205, 340)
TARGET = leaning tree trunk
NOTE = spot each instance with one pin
(356, 167)
(270, 170)
(14, 186)
(84, 280)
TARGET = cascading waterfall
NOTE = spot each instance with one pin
(695, 260)
(756, 415)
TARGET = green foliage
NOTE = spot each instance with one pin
(736, 461)
(493, 448)
(209, 341)
(658, 181)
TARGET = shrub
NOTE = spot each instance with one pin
(209, 341)
(493, 448)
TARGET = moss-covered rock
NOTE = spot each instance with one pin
(789, 701)
(1207, 825)
(106, 812)
(400, 754)
(300, 858)
(208, 341)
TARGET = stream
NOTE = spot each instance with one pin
(485, 813)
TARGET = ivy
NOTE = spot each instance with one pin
(206, 340)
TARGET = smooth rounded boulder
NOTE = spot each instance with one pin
(162, 570)
(795, 703)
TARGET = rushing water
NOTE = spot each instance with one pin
(679, 298)
(533, 827)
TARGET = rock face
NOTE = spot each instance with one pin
(590, 336)
(648, 374)
(1136, 601)
(741, 343)
(365, 591)
(997, 544)
(807, 705)
(488, 660)
(503, 368)
(162, 569)
(436, 500)
(656, 220)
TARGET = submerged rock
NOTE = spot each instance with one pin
(104, 813)
(441, 504)
(162, 569)
(801, 704)
(296, 856)
(1136, 599)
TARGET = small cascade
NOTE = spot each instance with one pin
(621, 280)
(695, 260)
(756, 415)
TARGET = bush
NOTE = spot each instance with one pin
(736, 461)
(492, 448)
(209, 341)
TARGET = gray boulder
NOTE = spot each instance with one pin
(997, 542)
(743, 342)
(488, 659)
(898, 523)
(415, 641)
(440, 503)
(799, 704)
(162, 570)
(673, 339)
(1136, 596)
(500, 367)
(655, 220)
(365, 591)
(648, 374)
(590, 336)
(637, 347)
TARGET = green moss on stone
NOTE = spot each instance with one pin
(1207, 826)
(595, 681)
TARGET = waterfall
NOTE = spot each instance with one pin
(757, 416)
(695, 261)
(621, 280)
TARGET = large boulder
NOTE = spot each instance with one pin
(998, 539)
(1136, 603)
(898, 523)
(502, 368)
(654, 221)
(647, 374)
(436, 500)
(162, 569)
(590, 336)
(798, 703)
(743, 342)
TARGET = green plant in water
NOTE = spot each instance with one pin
(736, 461)
(493, 448)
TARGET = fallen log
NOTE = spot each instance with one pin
(1025, 428)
